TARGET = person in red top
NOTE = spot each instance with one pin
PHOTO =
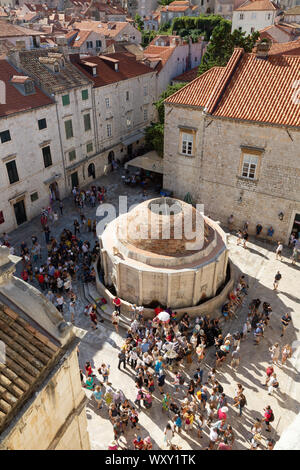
(24, 275)
(157, 310)
(93, 318)
(88, 369)
(138, 443)
(269, 372)
(268, 417)
(41, 281)
(117, 304)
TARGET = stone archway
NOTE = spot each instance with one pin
(91, 170)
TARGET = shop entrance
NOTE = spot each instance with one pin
(296, 226)
(54, 191)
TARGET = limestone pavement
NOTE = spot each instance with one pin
(258, 263)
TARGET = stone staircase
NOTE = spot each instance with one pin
(104, 311)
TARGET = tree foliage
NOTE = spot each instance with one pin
(154, 135)
(222, 44)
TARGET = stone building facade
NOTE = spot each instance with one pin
(42, 403)
(244, 154)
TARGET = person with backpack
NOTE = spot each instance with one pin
(268, 417)
(240, 403)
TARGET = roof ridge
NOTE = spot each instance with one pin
(223, 80)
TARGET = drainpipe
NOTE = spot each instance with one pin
(61, 145)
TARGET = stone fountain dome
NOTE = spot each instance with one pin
(165, 226)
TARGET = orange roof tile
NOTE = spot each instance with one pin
(248, 88)
(259, 5)
(159, 52)
(15, 101)
(196, 93)
(187, 76)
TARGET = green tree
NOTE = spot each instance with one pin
(139, 22)
(154, 134)
(222, 44)
(165, 2)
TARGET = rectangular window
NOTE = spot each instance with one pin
(34, 197)
(87, 122)
(127, 95)
(187, 143)
(145, 90)
(98, 43)
(85, 94)
(107, 103)
(145, 114)
(72, 155)
(69, 129)
(12, 171)
(250, 163)
(89, 147)
(109, 131)
(241, 16)
(47, 156)
(5, 136)
(128, 123)
(42, 123)
(65, 100)
(89, 44)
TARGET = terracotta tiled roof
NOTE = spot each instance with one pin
(67, 78)
(28, 354)
(128, 68)
(15, 101)
(188, 76)
(249, 88)
(159, 52)
(80, 38)
(199, 90)
(259, 5)
(177, 6)
(110, 29)
(293, 11)
(10, 30)
(285, 48)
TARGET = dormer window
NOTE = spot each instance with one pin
(56, 67)
(23, 84)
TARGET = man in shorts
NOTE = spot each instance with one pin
(276, 280)
(279, 251)
(285, 320)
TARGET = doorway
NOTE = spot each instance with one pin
(91, 170)
(111, 156)
(20, 212)
(296, 226)
(129, 151)
(74, 179)
(54, 191)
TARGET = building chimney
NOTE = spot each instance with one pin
(262, 48)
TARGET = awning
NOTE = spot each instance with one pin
(133, 138)
(151, 161)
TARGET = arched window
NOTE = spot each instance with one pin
(91, 170)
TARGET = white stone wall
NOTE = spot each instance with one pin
(178, 63)
(25, 147)
(212, 176)
(55, 418)
(252, 19)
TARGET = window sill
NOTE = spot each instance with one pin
(243, 178)
(186, 155)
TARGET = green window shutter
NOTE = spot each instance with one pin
(72, 155)
(85, 94)
(89, 147)
(69, 129)
(87, 122)
(65, 100)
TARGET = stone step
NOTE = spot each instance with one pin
(105, 311)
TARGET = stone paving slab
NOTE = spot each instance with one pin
(259, 264)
